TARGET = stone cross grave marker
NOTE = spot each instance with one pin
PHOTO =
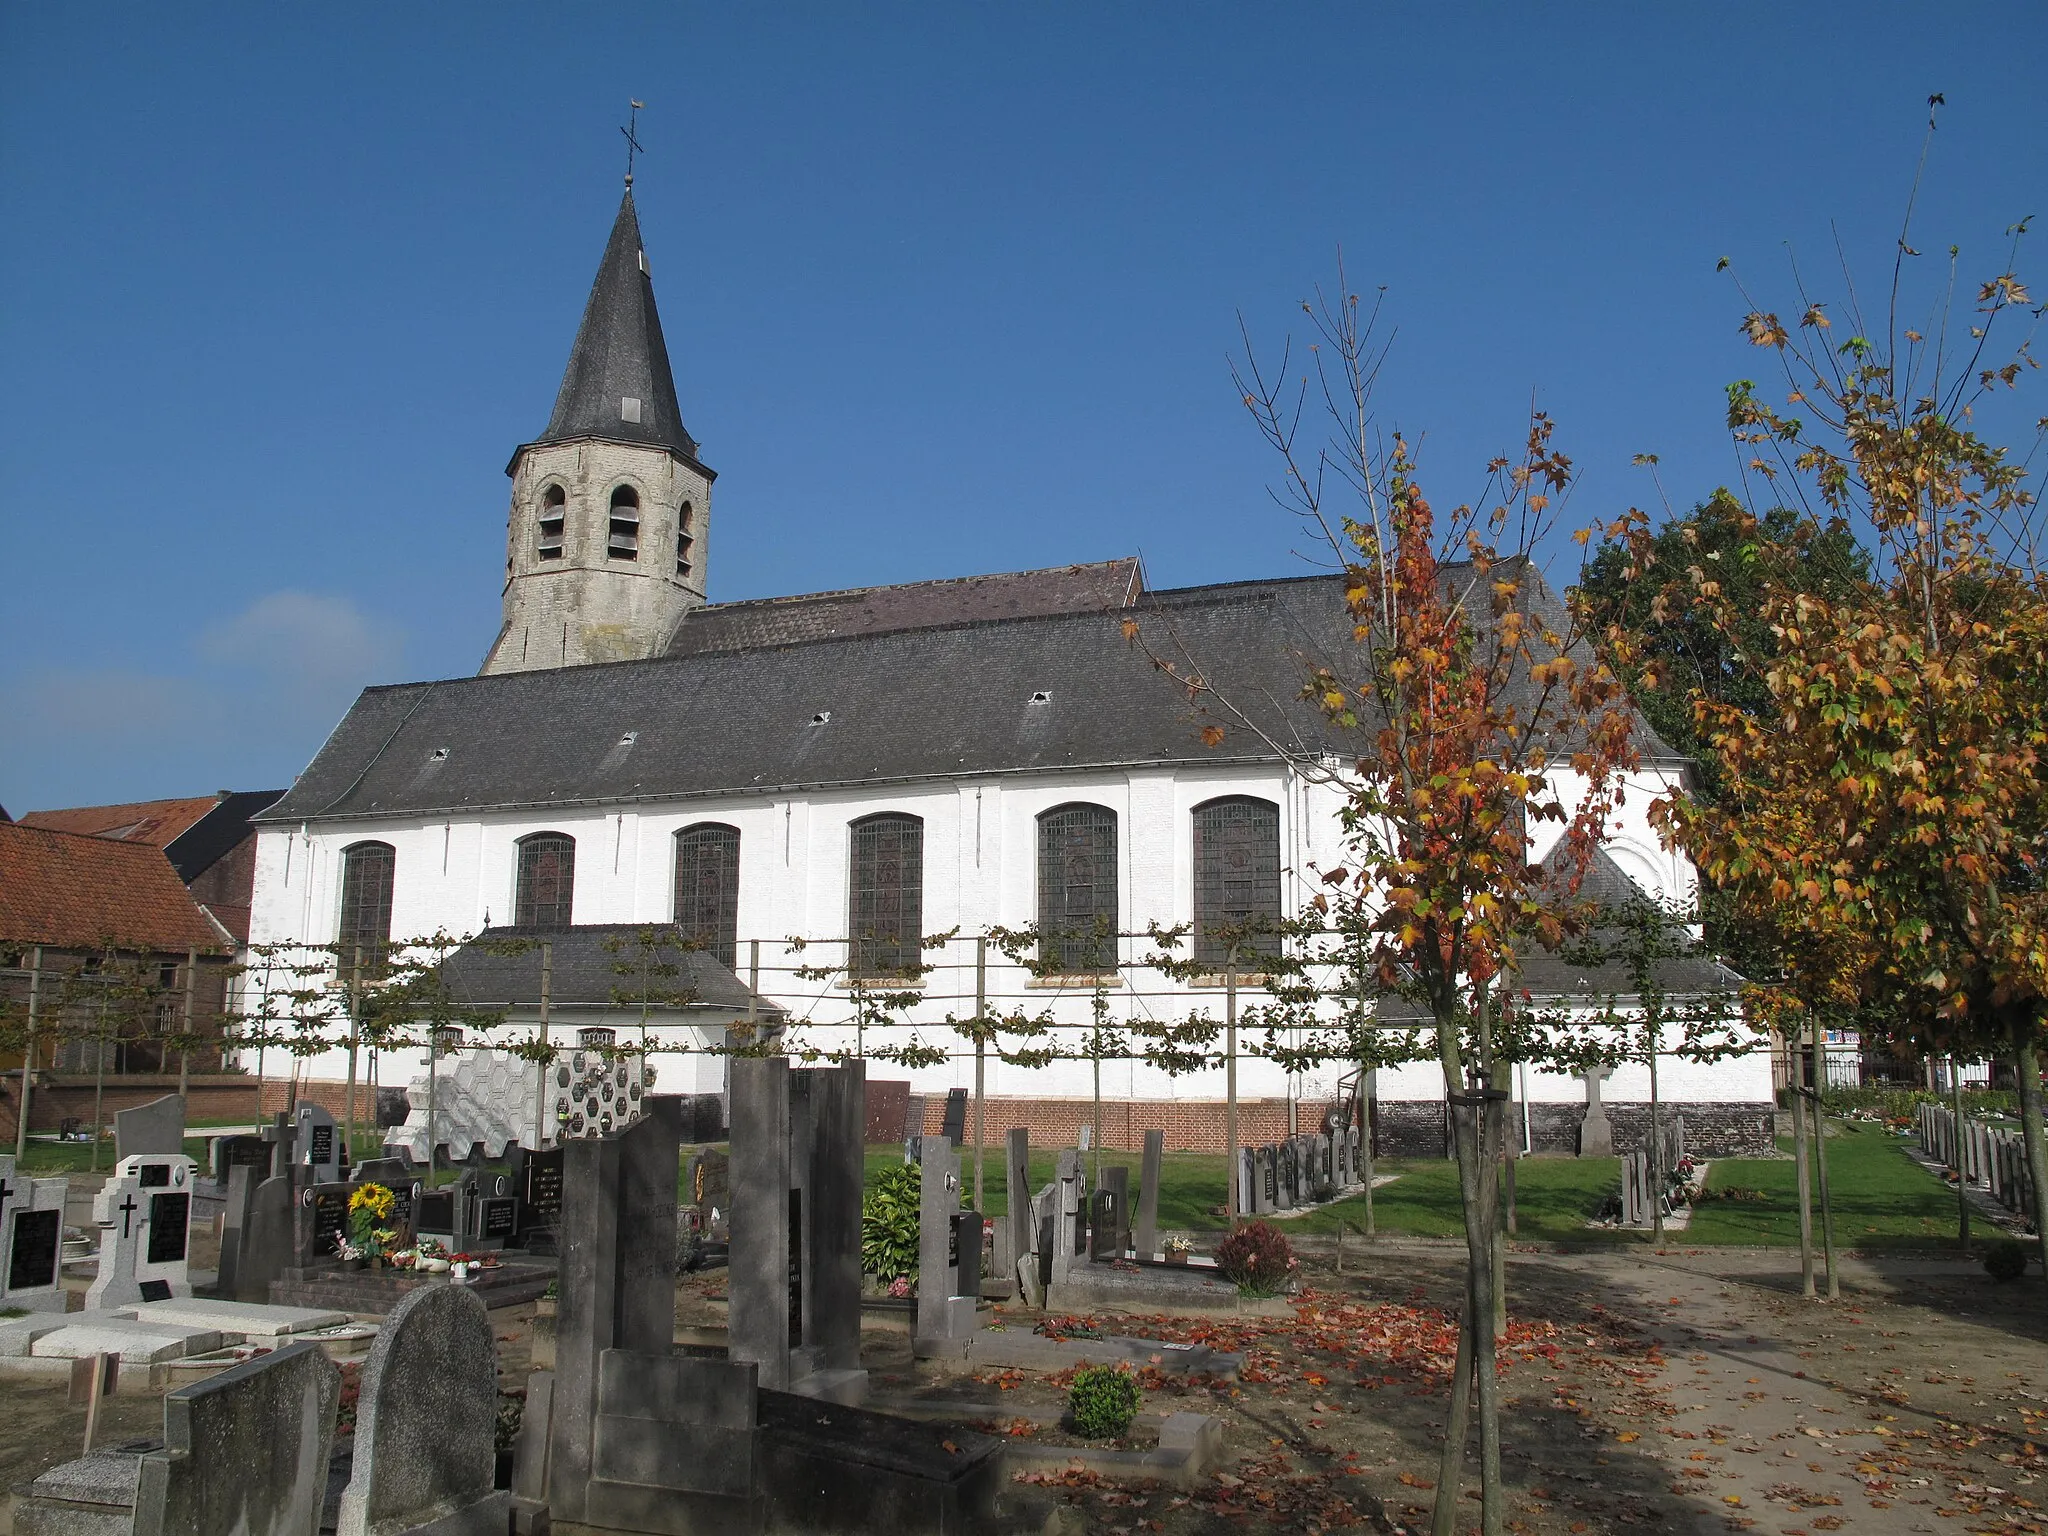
(1147, 1237)
(948, 1254)
(31, 1240)
(144, 1215)
(155, 1127)
(245, 1452)
(1596, 1136)
(426, 1424)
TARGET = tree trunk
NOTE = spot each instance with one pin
(1820, 1154)
(1365, 1142)
(1797, 1080)
(2029, 1065)
(1660, 1168)
(1450, 1470)
(1475, 1140)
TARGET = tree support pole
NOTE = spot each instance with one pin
(28, 1050)
(1797, 1078)
(1955, 1155)
(1820, 1143)
(1231, 1156)
(980, 1060)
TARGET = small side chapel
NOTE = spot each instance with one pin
(801, 789)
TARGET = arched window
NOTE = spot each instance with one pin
(1077, 889)
(708, 888)
(624, 543)
(366, 873)
(1237, 876)
(886, 895)
(554, 512)
(684, 538)
(547, 880)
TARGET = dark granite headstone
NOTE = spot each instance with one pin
(1147, 1236)
(1017, 1179)
(1117, 1180)
(232, 1152)
(953, 1125)
(1104, 1216)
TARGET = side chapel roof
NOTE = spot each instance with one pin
(71, 891)
(583, 973)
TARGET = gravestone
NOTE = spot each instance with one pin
(888, 1107)
(1017, 1211)
(157, 1127)
(31, 1240)
(144, 1215)
(245, 1452)
(794, 1255)
(1117, 1180)
(953, 1126)
(231, 1152)
(265, 1247)
(1247, 1180)
(1069, 1224)
(319, 1223)
(540, 1197)
(318, 1144)
(1147, 1241)
(948, 1257)
(1596, 1136)
(426, 1423)
(1105, 1215)
(1284, 1174)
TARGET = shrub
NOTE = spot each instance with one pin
(1102, 1401)
(889, 1223)
(2005, 1260)
(1257, 1257)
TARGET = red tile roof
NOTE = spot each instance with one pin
(81, 892)
(156, 822)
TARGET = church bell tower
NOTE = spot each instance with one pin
(611, 508)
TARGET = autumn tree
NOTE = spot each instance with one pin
(1885, 810)
(1482, 728)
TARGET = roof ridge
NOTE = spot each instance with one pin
(935, 581)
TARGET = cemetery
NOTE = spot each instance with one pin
(666, 1327)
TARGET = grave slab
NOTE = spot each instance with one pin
(18, 1334)
(92, 1496)
(262, 1324)
(87, 1333)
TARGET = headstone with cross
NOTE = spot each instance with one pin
(1596, 1136)
(31, 1241)
(144, 1215)
(318, 1145)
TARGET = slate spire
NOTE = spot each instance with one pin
(618, 385)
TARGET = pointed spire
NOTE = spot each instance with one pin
(618, 385)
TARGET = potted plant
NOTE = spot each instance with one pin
(350, 1255)
(1178, 1249)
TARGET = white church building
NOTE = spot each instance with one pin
(801, 788)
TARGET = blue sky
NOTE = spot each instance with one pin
(948, 288)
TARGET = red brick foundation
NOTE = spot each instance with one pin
(56, 1097)
(1190, 1125)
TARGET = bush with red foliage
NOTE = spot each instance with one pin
(1258, 1259)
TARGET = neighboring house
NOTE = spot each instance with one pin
(209, 841)
(807, 786)
(104, 944)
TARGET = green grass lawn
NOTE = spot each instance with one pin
(1881, 1197)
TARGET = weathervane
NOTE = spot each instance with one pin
(632, 144)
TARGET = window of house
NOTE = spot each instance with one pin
(1237, 877)
(547, 880)
(554, 513)
(1077, 889)
(708, 888)
(624, 543)
(684, 539)
(366, 874)
(886, 905)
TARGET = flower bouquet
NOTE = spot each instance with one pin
(369, 1208)
(1178, 1249)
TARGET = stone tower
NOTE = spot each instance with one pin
(611, 509)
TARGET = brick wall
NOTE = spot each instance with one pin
(57, 1097)
(1190, 1125)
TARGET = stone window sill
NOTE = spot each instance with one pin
(1083, 982)
(880, 983)
(1220, 982)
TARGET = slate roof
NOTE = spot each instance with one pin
(1092, 588)
(1045, 692)
(194, 834)
(620, 355)
(583, 971)
(72, 891)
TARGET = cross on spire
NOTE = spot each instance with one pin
(632, 144)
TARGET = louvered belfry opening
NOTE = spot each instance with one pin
(554, 514)
(684, 539)
(708, 888)
(367, 873)
(547, 880)
(1077, 907)
(886, 916)
(1237, 877)
(623, 542)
